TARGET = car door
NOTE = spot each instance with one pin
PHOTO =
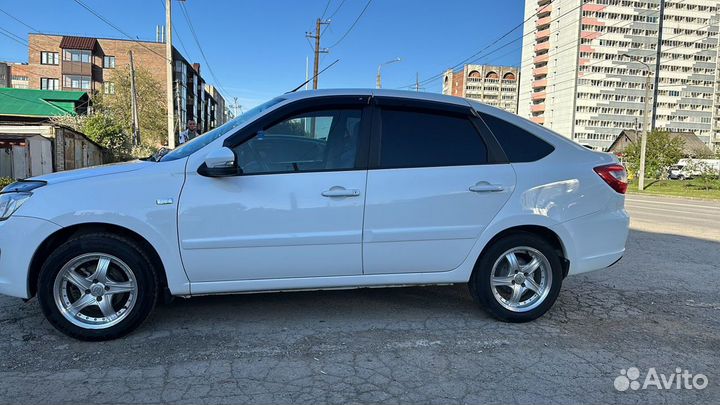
(436, 180)
(297, 208)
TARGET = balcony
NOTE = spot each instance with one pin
(537, 108)
(542, 47)
(543, 2)
(592, 21)
(542, 21)
(76, 68)
(541, 58)
(542, 34)
(543, 11)
(590, 34)
(538, 120)
(593, 7)
(540, 71)
(539, 84)
(538, 96)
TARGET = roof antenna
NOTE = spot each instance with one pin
(308, 80)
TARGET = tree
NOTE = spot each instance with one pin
(108, 133)
(151, 105)
(662, 151)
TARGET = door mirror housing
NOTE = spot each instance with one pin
(220, 163)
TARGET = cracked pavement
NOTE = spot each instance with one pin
(659, 307)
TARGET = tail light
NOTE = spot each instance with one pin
(614, 175)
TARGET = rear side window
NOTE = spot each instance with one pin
(518, 144)
(420, 139)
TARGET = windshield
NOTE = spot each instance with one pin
(192, 146)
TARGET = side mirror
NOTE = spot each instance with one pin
(220, 163)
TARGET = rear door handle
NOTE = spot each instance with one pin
(485, 187)
(338, 191)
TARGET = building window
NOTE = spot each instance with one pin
(76, 82)
(109, 62)
(19, 82)
(49, 58)
(109, 88)
(49, 84)
(76, 55)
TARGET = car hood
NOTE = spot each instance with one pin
(61, 177)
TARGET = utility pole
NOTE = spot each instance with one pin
(318, 24)
(417, 82)
(646, 123)
(235, 107)
(646, 132)
(133, 103)
(169, 74)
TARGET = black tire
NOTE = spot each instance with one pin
(122, 248)
(481, 289)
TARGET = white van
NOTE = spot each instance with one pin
(689, 168)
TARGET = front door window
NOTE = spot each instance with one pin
(317, 141)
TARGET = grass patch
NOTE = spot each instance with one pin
(695, 188)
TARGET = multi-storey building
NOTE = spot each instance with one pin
(584, 65)
(58, 62)
(493, 85)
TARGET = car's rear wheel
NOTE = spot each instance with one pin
(518, 278)
(97, 287)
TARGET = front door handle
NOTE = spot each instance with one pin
(338, 191)
(485, 187)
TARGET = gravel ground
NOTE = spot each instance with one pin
(659, 307)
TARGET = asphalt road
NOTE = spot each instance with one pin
(659, 307)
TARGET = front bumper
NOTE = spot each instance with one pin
(19, 239)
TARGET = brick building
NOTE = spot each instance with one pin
(70, 63)
(493, 85)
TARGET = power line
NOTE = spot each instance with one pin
(353, 25)
(108, 22)
(439, 75)
(337, 9)
(172, 26)
(326, 9)
(569, 46)
(603, 60)
(594, 73)
(202, 53)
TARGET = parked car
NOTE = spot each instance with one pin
(689, 168)
(319, 190)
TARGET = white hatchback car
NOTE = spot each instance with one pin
(319, 190)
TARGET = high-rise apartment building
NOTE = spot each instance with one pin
(57, 62)
(584, 64)
(493, 85)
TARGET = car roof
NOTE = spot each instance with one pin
(378, 93)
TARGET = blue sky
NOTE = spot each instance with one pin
(257, 49)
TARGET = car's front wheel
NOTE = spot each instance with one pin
(97, 286)
(518, 278)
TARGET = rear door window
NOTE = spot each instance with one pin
(427, 139)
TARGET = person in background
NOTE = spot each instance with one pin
(189, 133)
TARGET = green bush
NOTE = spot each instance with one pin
(4, 181)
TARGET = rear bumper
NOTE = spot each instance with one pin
(595, 241)
(19, 239)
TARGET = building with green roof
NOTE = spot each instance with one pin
(39, 105)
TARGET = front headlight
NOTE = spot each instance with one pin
(10, 202)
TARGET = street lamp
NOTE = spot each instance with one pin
(379, 74)
(646, 125)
